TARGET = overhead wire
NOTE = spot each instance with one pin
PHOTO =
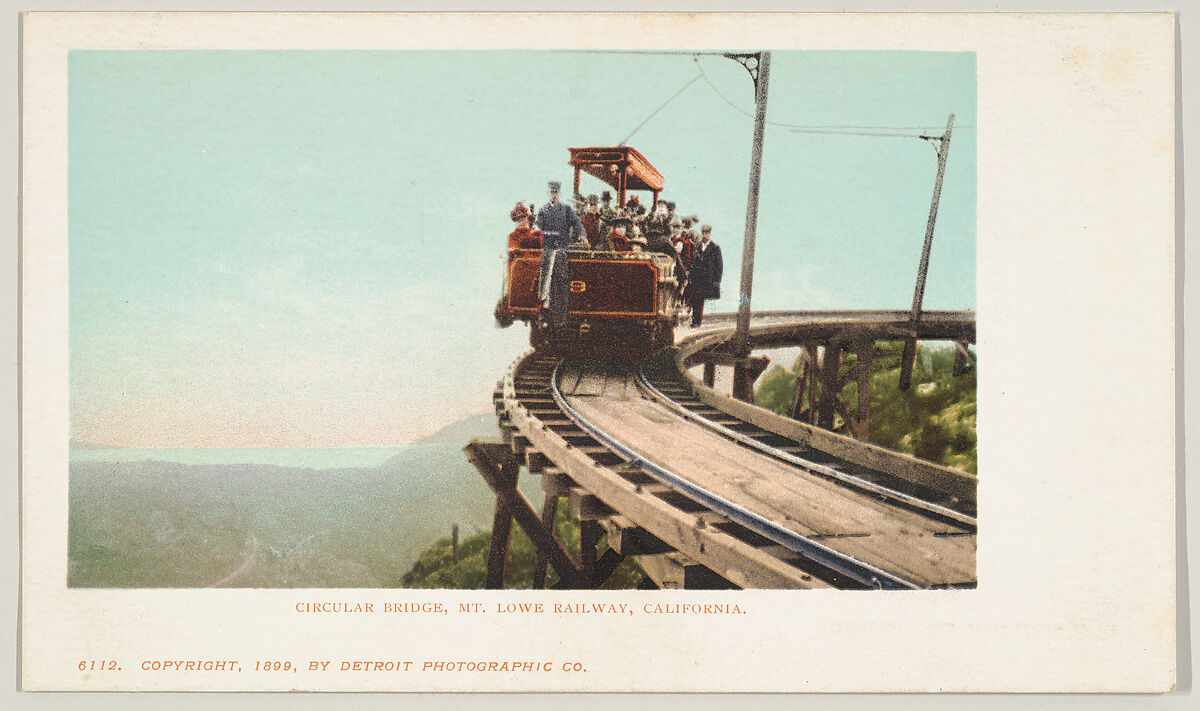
(875, 131)
(660, 108)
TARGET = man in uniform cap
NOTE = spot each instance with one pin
(704, 279)
(560, 228)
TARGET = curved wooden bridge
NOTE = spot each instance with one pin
(706, 490)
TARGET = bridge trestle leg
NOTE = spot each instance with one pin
(908, 361)
(862, 424)
(964, 359)
(498, 555)
(831, 364)
(818, 398)
(499, 468)
(804, 396)
(549, 509)
(589, 538)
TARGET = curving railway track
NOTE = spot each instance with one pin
(707, 491)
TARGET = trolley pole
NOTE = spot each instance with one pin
(908, 361)
(759, 66)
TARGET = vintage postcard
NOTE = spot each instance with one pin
(519, 352)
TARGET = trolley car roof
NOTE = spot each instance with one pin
(606, 162)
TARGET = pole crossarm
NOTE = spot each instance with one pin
(751, 61)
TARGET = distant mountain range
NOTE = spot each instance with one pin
(481, 426)
(151, 524)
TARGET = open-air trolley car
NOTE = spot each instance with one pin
(623, 306)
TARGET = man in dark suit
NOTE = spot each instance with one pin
(704, 279)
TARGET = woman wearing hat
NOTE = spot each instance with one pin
(524, 237)
(618, 241)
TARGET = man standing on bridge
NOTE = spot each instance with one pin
(704, 279)
(561, 228)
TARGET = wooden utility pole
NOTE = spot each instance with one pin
(759, 66)
(908, 360)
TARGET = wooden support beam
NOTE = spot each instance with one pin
(840, 406)
(727, 359)
(586, 506)
(535, 461)
(497, 466)
(628, 538)
(498, 554)
(866, 353)
(803, 367)
(831, 365)
(519, 443)
(908, 361)
(675, 571)
(964, 359)
(589, 538)
(805, 396)
(606, 565)
(556, 483)
(745, 372)
(549, 509)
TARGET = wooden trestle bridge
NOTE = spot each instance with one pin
(707, 490)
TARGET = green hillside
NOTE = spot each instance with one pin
(934, 419)
(149, 524)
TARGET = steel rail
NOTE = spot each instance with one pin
(806, 464)
(678, 528)
(847, 565)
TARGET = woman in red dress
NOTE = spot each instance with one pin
(524, 237)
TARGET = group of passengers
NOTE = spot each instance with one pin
(608, 228)
(616, 229)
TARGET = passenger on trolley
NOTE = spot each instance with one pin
(523, 237)
(704, 281)
(561, 229)
(617, 239)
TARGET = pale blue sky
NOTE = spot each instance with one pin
(304, 248)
